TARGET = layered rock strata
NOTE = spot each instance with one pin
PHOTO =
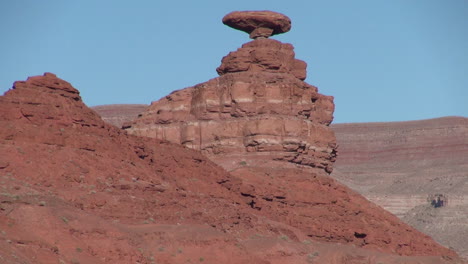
(259, 112)
(403, 166)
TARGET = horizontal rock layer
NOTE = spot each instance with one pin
(263, 116)
(264, 55)
(400, 165)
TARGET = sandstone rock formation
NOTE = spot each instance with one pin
(75, 189)
(264, 55)
(259, 111)
(78, 190)
(260, 119)
(432, 142)
(258, 24)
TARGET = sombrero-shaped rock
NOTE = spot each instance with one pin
(258, 23)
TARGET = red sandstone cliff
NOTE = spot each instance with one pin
(258, 111)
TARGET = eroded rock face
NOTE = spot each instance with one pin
(264, 55)
(259, 111)
(241, 114)
(270, 129)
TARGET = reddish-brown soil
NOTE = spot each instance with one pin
(71, 167)
(77, 190)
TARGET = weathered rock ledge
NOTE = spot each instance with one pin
(258, 112)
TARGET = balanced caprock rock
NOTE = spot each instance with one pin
(258, 24)
(259, 112)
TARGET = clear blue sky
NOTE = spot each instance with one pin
(381, 60)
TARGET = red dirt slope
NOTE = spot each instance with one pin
(76, 190)
(401, 165)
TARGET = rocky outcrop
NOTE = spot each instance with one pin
(264, 55)
(447, 224)
(75, 189)
(103, 196)
(259, 111)
(260, 121)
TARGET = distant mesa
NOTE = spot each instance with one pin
(258, 24)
